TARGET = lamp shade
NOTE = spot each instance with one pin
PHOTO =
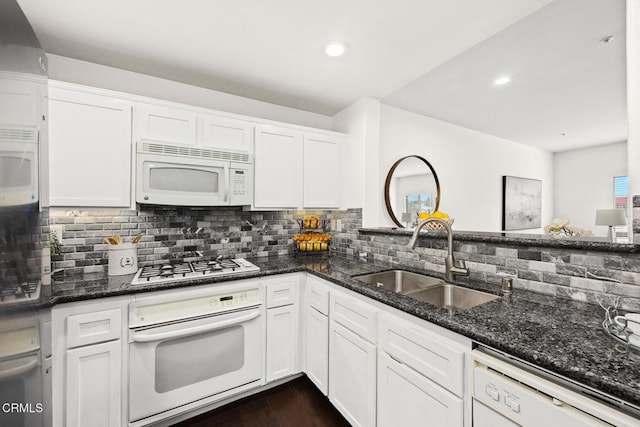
(611, 217)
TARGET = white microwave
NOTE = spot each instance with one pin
(182, 175)
(18, 166)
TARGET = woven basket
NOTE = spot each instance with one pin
(437, 225)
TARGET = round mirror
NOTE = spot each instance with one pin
(411, 187)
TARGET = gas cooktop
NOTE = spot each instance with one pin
(17, 293)
(184, 270)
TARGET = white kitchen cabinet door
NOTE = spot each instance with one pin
(89, 150)
(282, 342)
(322, 171)
(406, 398)
(316, 349)
(352, 376)
(278, 168)
(222, 133)
(166, 124)
(93, 385)
(20, 102)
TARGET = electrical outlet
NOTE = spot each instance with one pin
(57, 231)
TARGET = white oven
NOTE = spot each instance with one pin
(185, 175)
(18, 166)
(21, 379)
(190, 350)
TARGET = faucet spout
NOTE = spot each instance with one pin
(452, 269)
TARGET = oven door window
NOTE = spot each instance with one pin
(224, 349)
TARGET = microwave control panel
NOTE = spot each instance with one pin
(241, 183)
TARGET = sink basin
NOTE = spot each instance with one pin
(453, 297)
(427, 289)
(400, 281)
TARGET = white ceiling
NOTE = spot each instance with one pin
(273, 50)
(568, 89)
(429, 56)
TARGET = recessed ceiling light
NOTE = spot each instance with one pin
(502, 80)
(335, 49)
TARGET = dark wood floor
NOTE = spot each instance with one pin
(297, 403)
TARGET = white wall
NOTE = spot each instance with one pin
(469, 164)
(361, 120)
(584, 183)
(633, 101)
(90, 74)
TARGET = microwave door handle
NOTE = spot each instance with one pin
(227, 176)
(159, 336)
(29, 364)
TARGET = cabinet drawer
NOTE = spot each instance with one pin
(357, 316)
(92, 328)
(282, 292)
(317, 295)
(427, 352)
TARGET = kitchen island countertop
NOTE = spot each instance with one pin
(562, 336)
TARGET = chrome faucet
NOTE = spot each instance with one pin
(452, 268)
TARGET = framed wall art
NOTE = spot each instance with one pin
(521, 203)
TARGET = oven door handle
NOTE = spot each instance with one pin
(159, 336)
(13, 370)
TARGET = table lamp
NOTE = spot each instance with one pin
(611, 218)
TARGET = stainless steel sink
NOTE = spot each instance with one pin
(400, 281)
(453, 297)
(428, 289)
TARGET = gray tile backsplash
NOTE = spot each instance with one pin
(173, 233)
(584, 275)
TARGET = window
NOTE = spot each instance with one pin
(416, 203)
(620, 192)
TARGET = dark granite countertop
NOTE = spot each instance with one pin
(516, 239)
(562, 336)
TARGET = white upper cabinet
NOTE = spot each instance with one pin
(89, 149)
(225, 134)
(20, 101)
(322, 171)
(296, 169)
(166, 124)
(278, 168)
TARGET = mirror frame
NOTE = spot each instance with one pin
(387, 184)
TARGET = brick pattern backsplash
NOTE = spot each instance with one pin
(580, 275)
(583, 275)
(636, 219)
(173, 233)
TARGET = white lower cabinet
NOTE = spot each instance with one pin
(352, 376)
(282, 342)
(93, 385)
(316, 349)
(406, 398)
(88, 381)
(282, 325)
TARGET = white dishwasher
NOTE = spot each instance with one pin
(506, 395)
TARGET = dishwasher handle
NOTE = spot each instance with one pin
(150, 336)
